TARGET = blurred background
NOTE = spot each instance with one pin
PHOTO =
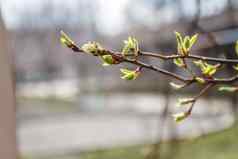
(70, 107)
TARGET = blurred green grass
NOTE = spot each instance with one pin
(221, 145)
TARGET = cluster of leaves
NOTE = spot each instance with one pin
(208, 71)
(185, 44)
(131, 51)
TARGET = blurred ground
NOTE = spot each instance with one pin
(222, 145)
(47, 128)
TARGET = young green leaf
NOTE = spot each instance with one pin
(186, 43)
(207, 69)
(185, 101)
(176, 86)
(65, 40)
(131, 47)
(108, 60)
(180, 116)
(178, 38)
(199, 63)
(228, 88)
(236, 47)
(236, 67)
(179, 62)
(93, 48)
(129, 74)
(200, 80)
(193, 40)
(126, 71)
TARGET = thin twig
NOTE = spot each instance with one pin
(171, 74)
(204, 90)
(163, 71)
(190, 56)
(201, 93)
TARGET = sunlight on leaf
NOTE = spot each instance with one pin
(200, 80)
(185, 101)
(236, 47)
(180, 116)
(179, 62)
(93, 48)
(131, 47)
(176, 86)
(66, 41)
(207, 69)
(129, 74)
(228, 88)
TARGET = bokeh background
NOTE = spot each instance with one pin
(70, 107)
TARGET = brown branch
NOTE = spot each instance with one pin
(224, 80)
(163, 71)
(201, 93)
(204, 90)
(180, 78)
(119, 57)
(197, 57)
(190, 80)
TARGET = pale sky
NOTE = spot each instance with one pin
(110, 14)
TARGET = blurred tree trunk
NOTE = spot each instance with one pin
(7, 101)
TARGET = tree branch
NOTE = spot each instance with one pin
(190, 56)
(171, 74)
(154, 68)
(131, 54)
